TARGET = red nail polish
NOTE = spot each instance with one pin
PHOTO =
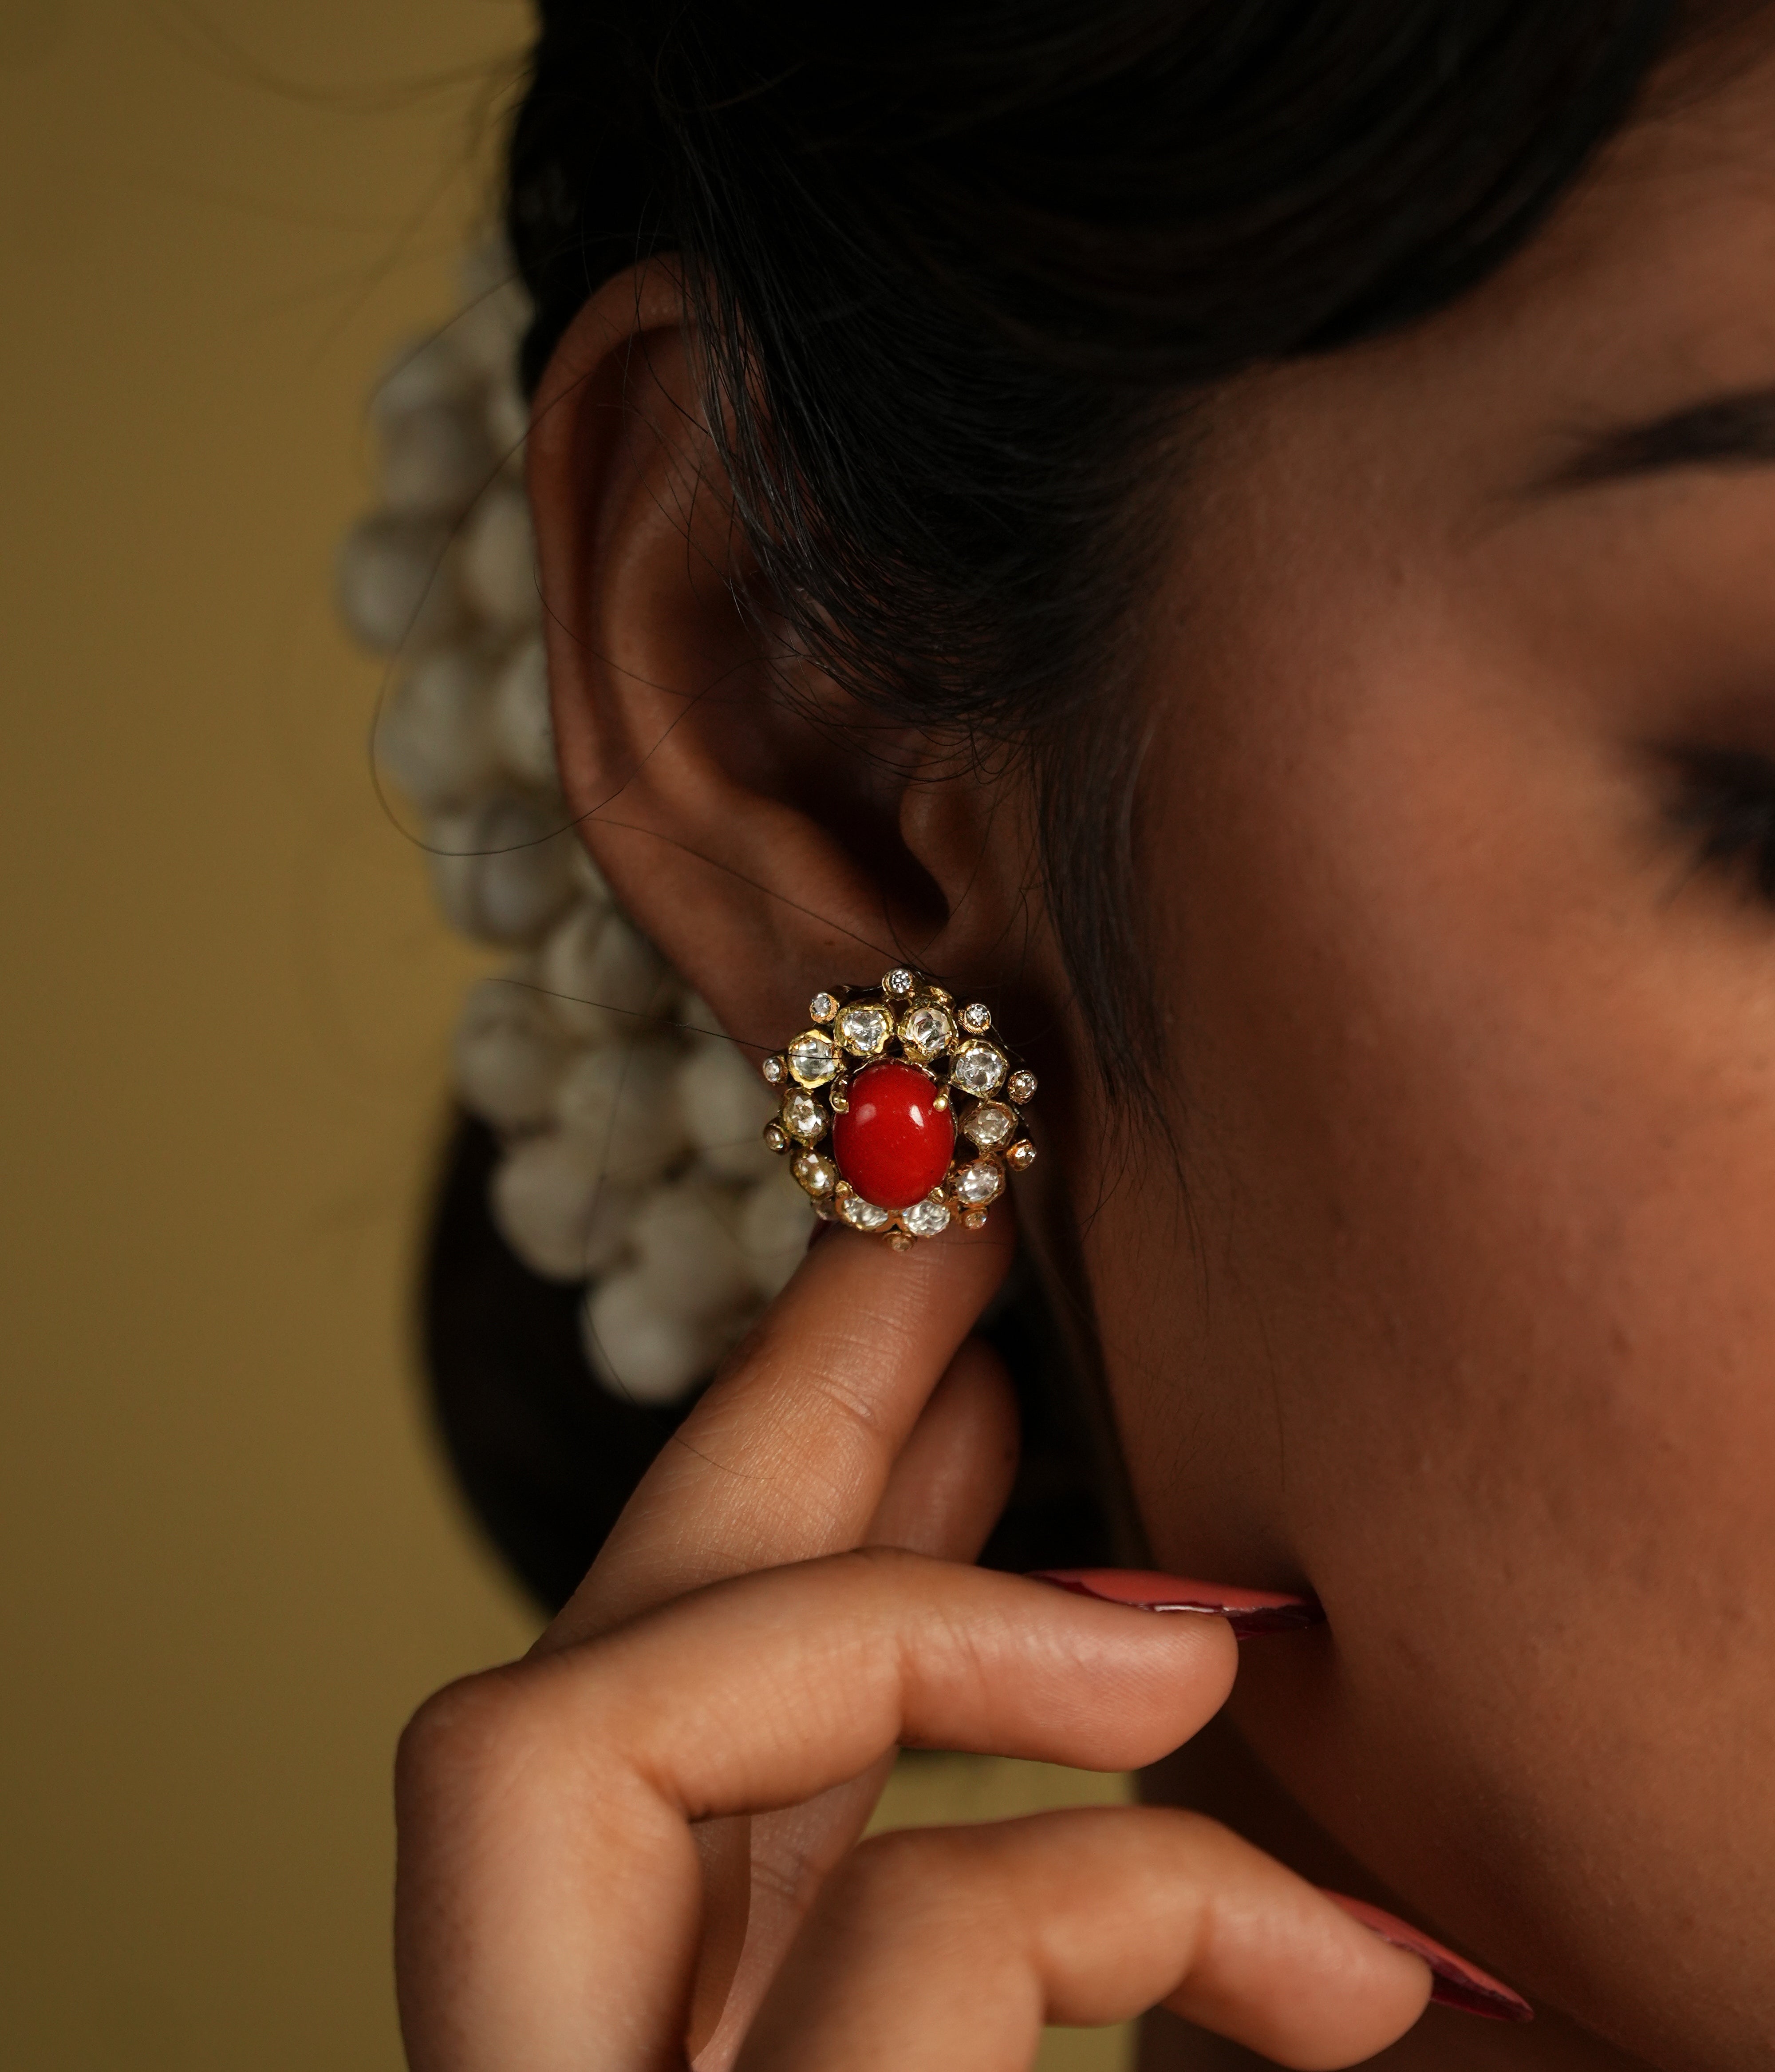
(1456, 1982)
(1245, 1611)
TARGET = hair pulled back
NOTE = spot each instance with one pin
(956, 267)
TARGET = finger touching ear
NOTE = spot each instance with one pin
(770, 836)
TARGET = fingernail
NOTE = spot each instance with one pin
(1456, 1983)
(1245, 1611)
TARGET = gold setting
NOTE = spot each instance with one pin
(909, 1017)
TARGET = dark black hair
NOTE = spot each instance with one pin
(959, 269)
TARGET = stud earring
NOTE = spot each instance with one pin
(875, 1095)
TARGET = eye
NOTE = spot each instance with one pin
(1726, 802)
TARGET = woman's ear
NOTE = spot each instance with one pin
(767, 835)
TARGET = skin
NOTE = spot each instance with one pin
(1455, 1309)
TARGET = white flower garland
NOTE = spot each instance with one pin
(631, 1157)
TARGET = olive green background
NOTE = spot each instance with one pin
(232, 1565)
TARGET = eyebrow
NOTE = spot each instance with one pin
(1726, 431)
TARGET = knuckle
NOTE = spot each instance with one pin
(828, 1370)
(455, 1727)
(848, 1405)
(473, 1738)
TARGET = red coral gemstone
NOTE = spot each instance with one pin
(893, 1144)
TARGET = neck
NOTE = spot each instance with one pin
(1217, 1773)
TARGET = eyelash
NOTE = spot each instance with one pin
(1727, 804)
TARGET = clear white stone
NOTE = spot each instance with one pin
(550, 1206)
(605, 981)
(982, 1182)
(803, 1116)
(977, 1017)
(813, 1059)
(498, 561)
(436, 459)
(502, 870)
(898, 981)
(396, 584)
(822, 1007)
(864, 1030)
(509, 1055)
(621, 1102)
(726, 1108)
(864, 1215)
(925, 1219)
(1022, 1086)
(433, 738)
(775, 1218)
(642, 1349)
(927, 1031)
(977, 1068)
(818, 1175)
(523, 731)
(773, 1069)
(989, 1125)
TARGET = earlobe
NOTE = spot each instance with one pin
(764, 845)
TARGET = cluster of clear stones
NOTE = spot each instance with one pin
(928, 1028)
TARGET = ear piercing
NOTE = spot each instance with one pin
(874, 1097)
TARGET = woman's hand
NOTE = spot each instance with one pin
(639, 1844)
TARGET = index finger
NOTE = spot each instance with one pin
(787, 1455)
